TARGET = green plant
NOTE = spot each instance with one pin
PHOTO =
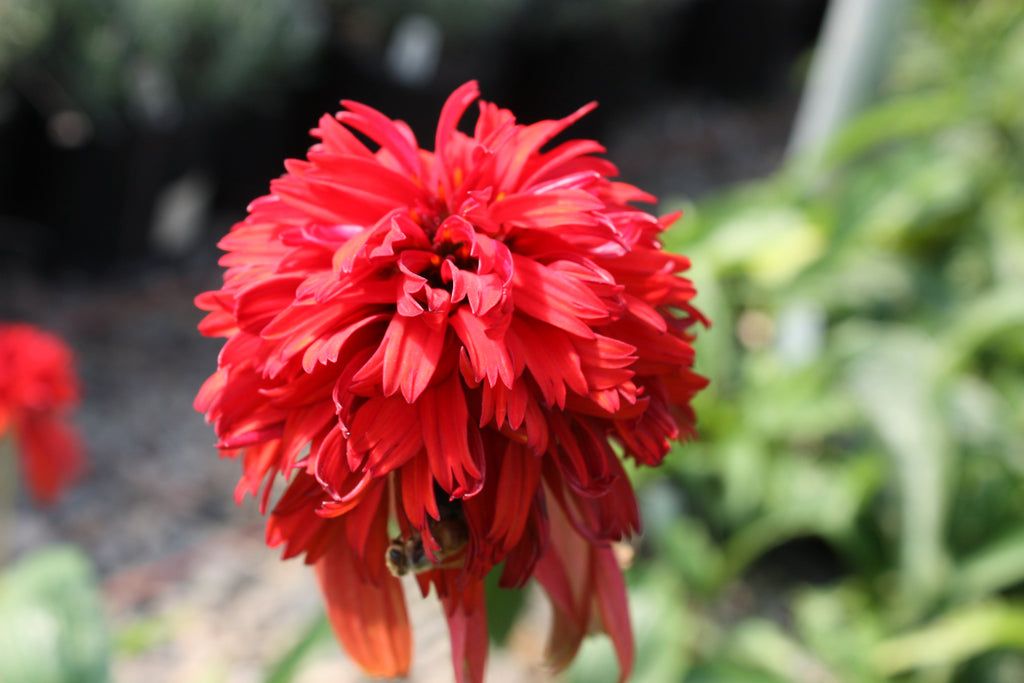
(867, 359)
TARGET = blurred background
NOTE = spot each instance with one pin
(853, 181)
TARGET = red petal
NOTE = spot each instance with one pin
(259, 303)
(295, 524)
(550, 357)
(467, 625)
(546, 295)
(444, 421)
(579, 577)
(613, 606)
(410, 350)
(337, 139)
(519, 478)
(454, 107)
(529, 141)
(550, 210)
(392, 137)
(488, 355)
(369, 176)
(386, 432)
(369, 619)
(418, 498)
(563, 573)
(51, 456)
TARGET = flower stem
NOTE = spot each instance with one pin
(8, 495)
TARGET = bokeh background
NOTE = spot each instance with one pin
(853, 181)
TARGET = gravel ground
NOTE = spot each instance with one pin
(191, 591)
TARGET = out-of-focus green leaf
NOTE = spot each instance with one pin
(729, 672)
(688, 547)
(503, 606)
(770, 244)
(927, 186)
(894, 431)
(998, 312)
(897, 119)
(803, 409)
(743, 462)
(286, 668)
(860, 280)
(666, 630)
(52, 626)
(953, 638)
(715, 347)
(764, 644)
(143, 634)
(894, 384)
(840, 625)
(1002, 219)
(995, 567)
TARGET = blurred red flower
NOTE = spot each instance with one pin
(450, 349)
(38, 388)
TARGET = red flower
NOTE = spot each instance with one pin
(38, 387)
(451, 348)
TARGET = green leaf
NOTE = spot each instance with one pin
(52, 626)
(285, 669)
(995, 567)
(503, 606)
(764, 644)
(953, 638)
(918, 114)
(687, 545)
(770, 244)
(893, 379)
(840, 624)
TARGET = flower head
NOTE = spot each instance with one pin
(446, 352)
(38, 386)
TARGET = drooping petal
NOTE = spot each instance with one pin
(587, 591)
(467, 626)
(52, 456)
(368, 618)
(613, 607)
(444, 421)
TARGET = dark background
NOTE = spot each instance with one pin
(693, 94)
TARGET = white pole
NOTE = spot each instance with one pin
(848, 63)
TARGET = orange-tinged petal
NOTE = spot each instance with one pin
(369, 619)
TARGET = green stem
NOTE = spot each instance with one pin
(8, 494)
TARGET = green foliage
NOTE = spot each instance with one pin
(285, 669)
(867, 396)
(161, 59)
(52, 626)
